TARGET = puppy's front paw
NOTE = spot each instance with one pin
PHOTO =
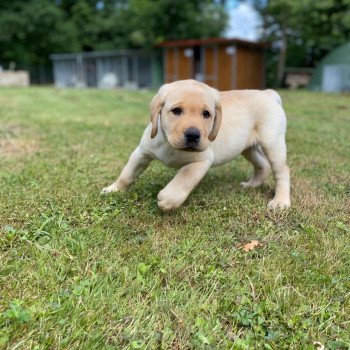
(112, 188)
(279, 204)
(170, 200)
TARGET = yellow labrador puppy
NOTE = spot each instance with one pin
(194, 127)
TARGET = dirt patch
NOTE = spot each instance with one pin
(15, 141)
(9, 148)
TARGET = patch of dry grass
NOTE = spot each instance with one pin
(15, 142)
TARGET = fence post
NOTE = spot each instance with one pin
(80, 72)
(125, 69)
(135, 67)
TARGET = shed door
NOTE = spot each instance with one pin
(219, 66)
(250, 68)
(170, 65)
(336, 78)
(185, 63)
(210, 65)
(178, 64)
(226, 64)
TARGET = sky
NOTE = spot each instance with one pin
(244, 21)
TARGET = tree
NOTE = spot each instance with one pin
(302, 32)
(31, 30)
(154, 21)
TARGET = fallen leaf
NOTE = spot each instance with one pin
(251, 246)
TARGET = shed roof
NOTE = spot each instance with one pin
(90, 54)
(210, 41)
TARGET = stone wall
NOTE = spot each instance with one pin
(14, 78)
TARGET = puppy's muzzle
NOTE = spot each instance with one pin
(192, 137)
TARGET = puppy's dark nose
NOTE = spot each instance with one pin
(192, 136)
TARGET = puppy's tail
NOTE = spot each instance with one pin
(275, 95)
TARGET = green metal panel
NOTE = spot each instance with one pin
(157, 70)
(340, 55)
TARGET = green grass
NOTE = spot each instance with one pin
(84, 271)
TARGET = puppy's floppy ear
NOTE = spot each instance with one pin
(156, 106)
(218, 117)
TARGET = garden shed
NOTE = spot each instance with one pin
(132, 69)
(219, 62)
(333, 72)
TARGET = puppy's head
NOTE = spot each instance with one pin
(190, 114)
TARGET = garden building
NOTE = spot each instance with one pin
(333, 72)
(222, 63)
(133, 69)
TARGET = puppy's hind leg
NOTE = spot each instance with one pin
(255, 155)
(276, 153)
(138, 162)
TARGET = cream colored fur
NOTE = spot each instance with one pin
(247, 122)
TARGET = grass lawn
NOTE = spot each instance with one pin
(84, 271)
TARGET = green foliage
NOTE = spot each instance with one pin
(312, 28)
(31, 30)
(16, 313)
(173, 20)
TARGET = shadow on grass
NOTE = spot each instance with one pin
(220, 187)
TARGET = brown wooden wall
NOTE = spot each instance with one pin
(177, 65)
(242, 70)
(250, 68)
(210, 65)
(185, 64)
(169, 65)
(226, 69)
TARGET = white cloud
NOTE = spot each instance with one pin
(244, 22)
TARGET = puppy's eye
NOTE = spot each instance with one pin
(177, 111)
(206, 114)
